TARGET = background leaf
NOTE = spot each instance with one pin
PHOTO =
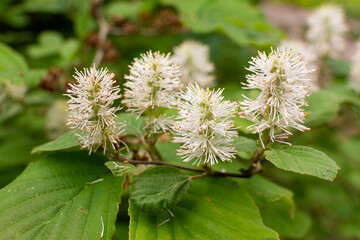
(245, 144)
(134, 125)
(263, 192)
(288, 225)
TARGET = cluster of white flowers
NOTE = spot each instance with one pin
(326, 30)
(205, 129)
(282, 77)
(355, 70)
(308, 53)
(193, 58)
(90, 108)
(153, 83)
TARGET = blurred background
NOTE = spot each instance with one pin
(43, 40)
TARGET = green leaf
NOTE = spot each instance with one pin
(263, 192)
(214, 208)
(68, 50)
(66, 141)
(159, 188)
(303, 160)
(122, 231)
(12, 65)
(245, 144)
(16, 151)
(119, 169)
(49, 43)
(134, 125)
(84, 23)
(278, 218)
(34, 76)
(123, 9)
(238, 19)
(325, 103)
(350, 147)
(67, 196)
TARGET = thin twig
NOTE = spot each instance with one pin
(255, 166)
(167, 164)
(104, 29)
(212, 173)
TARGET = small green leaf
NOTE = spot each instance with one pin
(123, 9)
(278, 218)
(66, 141)
(67, 196)
(303, 160)
(159, 188)
(49, 43)
(214, 208)
(118, 168)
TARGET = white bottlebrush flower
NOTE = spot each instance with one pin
(153, 83)
(193, 59)
(326, 30)
(90, 108)
(354, 78)
(204, 129)
(282, 77)
(308, 53)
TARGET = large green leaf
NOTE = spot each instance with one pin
(159, 188)
(66, 141)
(68, 196)
(287, 225)
(215, 208)
(263, 191)
(304, 160)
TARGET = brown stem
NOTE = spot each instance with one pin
(149, 145)
(165, 163)
(213, 173)
(104, 29)
(255, 166)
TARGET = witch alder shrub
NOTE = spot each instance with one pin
(177, 155)
(159, 151)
